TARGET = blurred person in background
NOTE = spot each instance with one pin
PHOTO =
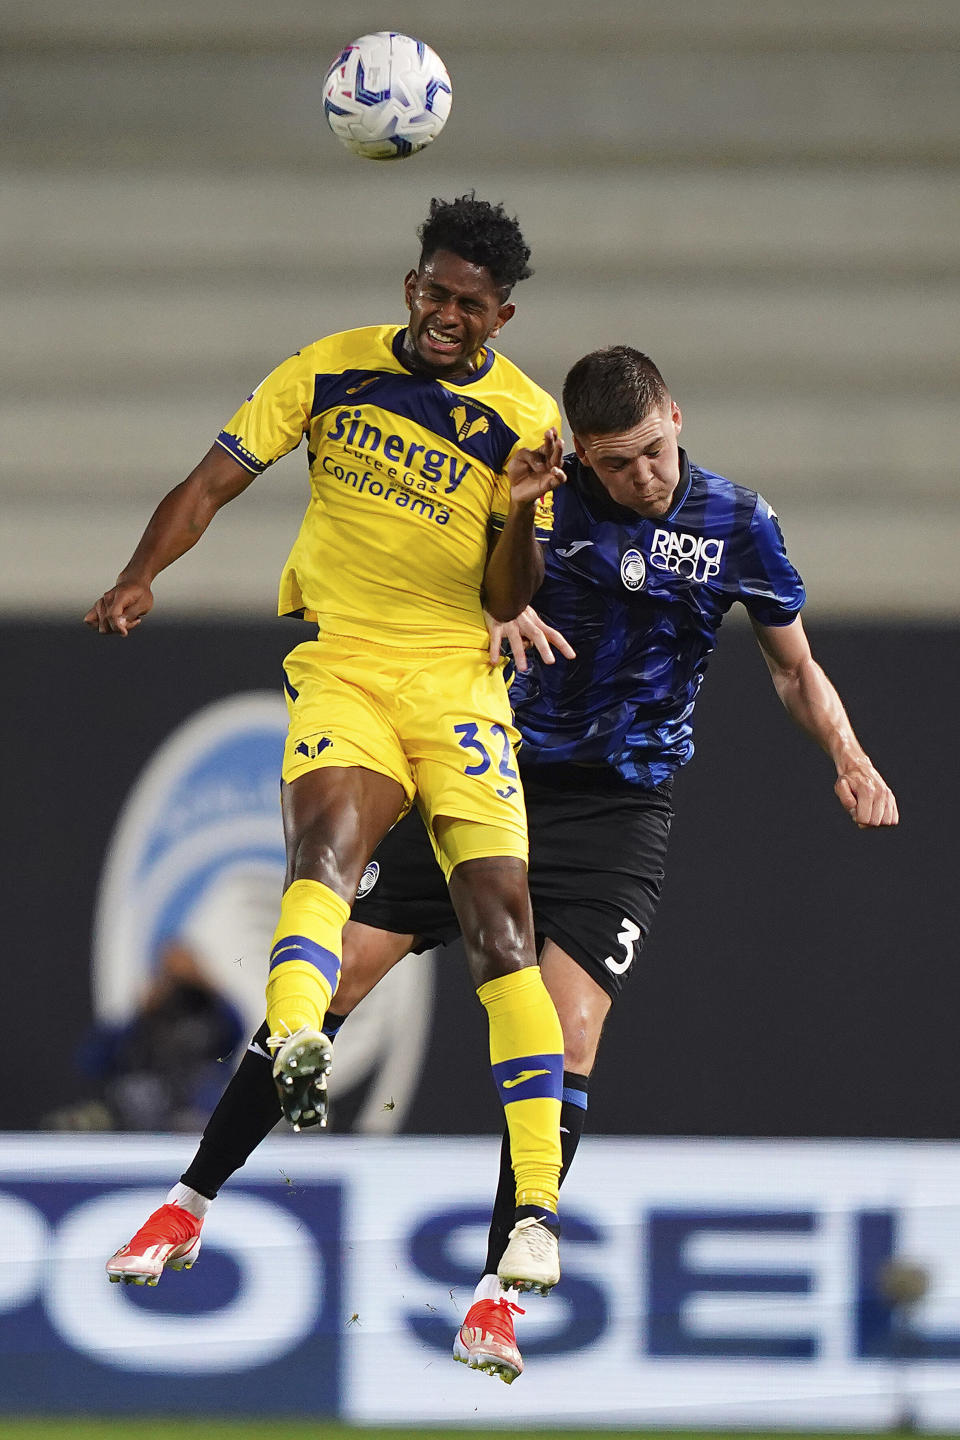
(162, 1069)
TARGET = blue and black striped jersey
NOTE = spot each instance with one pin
(641, 602)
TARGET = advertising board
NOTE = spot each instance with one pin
(705, 1282)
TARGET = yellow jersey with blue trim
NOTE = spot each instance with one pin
(407, 483)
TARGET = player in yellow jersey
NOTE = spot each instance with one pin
(431, 461)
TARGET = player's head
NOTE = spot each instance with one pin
(479, 232)
(472, 254)
(626, 427)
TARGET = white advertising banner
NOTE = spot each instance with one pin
(705, 1282)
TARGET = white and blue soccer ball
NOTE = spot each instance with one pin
(386, 96)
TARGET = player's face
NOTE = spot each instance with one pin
(455, 308)
(639, 468)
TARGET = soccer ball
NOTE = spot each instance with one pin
(386, 96)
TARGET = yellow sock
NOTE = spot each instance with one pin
(526, 1052)
(305, 957)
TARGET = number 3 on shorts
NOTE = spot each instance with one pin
(469, 740)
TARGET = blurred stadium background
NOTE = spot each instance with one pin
(763, 196)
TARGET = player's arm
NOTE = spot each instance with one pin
(176, 525)
(515, 566)
(811, 700)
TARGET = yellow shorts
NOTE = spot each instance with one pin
(436, 721)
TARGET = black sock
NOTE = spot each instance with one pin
(573, 1110)
(247, 1112)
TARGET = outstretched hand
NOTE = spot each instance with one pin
(533, 472)
(865, 795)
(527, 629)
(120, 609)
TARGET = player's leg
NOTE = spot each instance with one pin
(346, 781)
(246, 1113)
(249, 1108)
(409, 899)
(459, 741)
(582, 1007)
(333, 821)
(487, 1339)
(597, 859)
(402, 891)
(489, 894)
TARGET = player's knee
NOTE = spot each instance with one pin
(314, 858)
(367, 956)
(579, 1051)
(493, 907)
(581, 1037)
(498, 946)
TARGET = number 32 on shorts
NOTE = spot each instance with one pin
(469, 740)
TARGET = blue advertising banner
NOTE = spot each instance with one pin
(704, 1283)
(260, 1333)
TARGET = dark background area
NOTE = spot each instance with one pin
(800, 978)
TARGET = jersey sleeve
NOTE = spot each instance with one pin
(271, 422)
(548, 419)
(770, 587)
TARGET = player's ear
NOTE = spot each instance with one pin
(410, 285)
(581, 453)
(675, 416)
(505, 313)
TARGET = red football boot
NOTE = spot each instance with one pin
(171, 1236)
(487, 1340)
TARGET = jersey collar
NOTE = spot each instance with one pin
(482, 369)
(597, 497)
(683, 488)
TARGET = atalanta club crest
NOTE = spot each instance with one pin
(368, 879)
(633, 569)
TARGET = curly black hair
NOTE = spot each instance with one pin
(479, 232)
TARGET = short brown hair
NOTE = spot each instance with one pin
(611, 390)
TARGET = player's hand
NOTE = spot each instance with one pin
(121, 609)
(865, 795)
(528, 629)
(533, 472)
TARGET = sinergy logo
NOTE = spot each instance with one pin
(197, 856)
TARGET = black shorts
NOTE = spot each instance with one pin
(597, 850)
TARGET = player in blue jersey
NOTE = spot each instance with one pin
(648, 553)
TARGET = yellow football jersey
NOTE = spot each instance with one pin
(407, 477)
